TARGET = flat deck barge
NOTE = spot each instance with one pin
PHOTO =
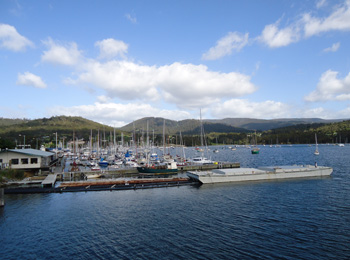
(103, 185)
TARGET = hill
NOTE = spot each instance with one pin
(8, 121)
(187, 127)
(336, 132)
(265, 124)
(36, 132)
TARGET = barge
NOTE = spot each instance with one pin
(259, 174)
(104, 185)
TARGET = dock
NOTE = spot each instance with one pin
(49, 181)
(112, 180)
(133, 172)
(106, 185)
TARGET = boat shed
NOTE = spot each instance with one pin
(26, 159)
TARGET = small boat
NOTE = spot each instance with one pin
(103, 163)
(255, 150)
(95, 168)
(162, 168)
(200, 160)
(93, 175)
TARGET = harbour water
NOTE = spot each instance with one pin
(289, 219)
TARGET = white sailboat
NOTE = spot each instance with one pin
(316, 150)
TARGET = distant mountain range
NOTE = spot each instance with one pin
(268, 124)
(188, 126)
(229, 130)
(227, 125)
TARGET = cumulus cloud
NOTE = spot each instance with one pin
(10, 39)
(186, 85)
(330, 87)
(110, 48)
(307, 26)
(118, 114)
(226, 45)
(29, 79)
(246, 108)
(194, 86)
(122, 79)
(275, 37)
(67, 54)
(338, 20)
(333, 48)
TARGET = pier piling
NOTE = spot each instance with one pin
(2, 197)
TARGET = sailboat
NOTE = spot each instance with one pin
(201, 159)
(168, 166)
(316, 150)
(255, 149)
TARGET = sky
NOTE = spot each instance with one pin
(114, 62)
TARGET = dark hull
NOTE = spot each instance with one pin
(156, 170)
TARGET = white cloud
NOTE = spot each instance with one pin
(246, 108)
(122, 79)
(330, 87)
(10, 39)
(307, 26)
(185, 85)
(333, 48)
(103, 99)
(118, 114)
(275, 37)
(110, 48)
(338, 20)
(194, 86)
(62, 55)
(29, 79)
(320, 112)
(131, 18)
(226, 45)
(321, 3)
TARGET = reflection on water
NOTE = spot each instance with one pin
(294, 219)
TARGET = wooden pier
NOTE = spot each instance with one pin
(49, 181)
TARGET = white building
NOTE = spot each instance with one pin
(25, 159)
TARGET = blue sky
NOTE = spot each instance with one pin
(118, 61)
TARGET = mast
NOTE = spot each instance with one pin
(164, 137)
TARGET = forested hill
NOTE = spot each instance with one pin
(305, 133)
(265, 124)
(189, 126)
(41, 130)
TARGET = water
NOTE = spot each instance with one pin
(295, 219)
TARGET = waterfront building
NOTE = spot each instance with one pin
(25, 159)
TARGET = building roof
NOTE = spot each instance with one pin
(33, 152)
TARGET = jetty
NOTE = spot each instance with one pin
(106, 185)
(114, 179)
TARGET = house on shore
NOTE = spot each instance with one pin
(25, 159)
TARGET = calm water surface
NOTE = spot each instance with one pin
(295, 219)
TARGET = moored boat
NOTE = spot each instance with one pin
(257, 174)
(162, 168)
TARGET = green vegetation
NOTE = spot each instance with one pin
(42, 131)
(305, 133)
(12, 174)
